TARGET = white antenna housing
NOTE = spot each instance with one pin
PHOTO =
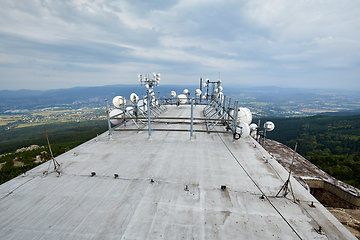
(134, 98)
(243, 129)
(220, 88)
(172, 94)
(182, 99)
(269, 126)
(220, 96)
(244, 115)
(116, 113)
(186, 91)
(119, 101)
(253, 127)
(141, 104)
(197, 92)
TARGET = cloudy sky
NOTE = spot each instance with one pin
(46, 44)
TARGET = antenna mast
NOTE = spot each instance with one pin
(286, 185)
(56, 164)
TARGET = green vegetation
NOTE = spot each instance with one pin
(62, 136)
(67, 132)
(330, 142)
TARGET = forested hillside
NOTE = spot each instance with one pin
(330, 142)
(63, 137)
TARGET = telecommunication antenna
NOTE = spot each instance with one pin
(56, 164)
(285, 187)
(149, 83)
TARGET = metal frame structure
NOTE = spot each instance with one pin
(219, 110)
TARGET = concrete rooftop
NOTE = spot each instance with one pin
(184, 200)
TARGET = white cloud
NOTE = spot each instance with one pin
(255, 39)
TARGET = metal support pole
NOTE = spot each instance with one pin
(258, 132)
(200, 88)
(191, 117)
(223, 104)
(228, 107)
(264, 138)
(108, 116)
(148, 112)
(235, 117)
(124, 110)
(207, 91)
(213, 91)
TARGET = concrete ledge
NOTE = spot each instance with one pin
(337, 191)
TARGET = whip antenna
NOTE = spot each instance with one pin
(56, 164)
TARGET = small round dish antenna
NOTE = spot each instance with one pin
(182, 99)
(115, 113)
(220, 88)
(134, 98)
(244, 115)
(172, 94)
(269, 126)
(119, 101)
(253, 127)
(197, 92)
(186, 91)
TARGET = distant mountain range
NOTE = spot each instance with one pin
(275, 100)
(11, 100)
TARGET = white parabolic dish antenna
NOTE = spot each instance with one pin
(182, 99)
(142, 105)
(172, 94)
(269, 126)
(115, 113)
(119, 101)
(253, 127)
(197, 92)
(134, 98)
(244, 115)
(244, 130)
(186, 91)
